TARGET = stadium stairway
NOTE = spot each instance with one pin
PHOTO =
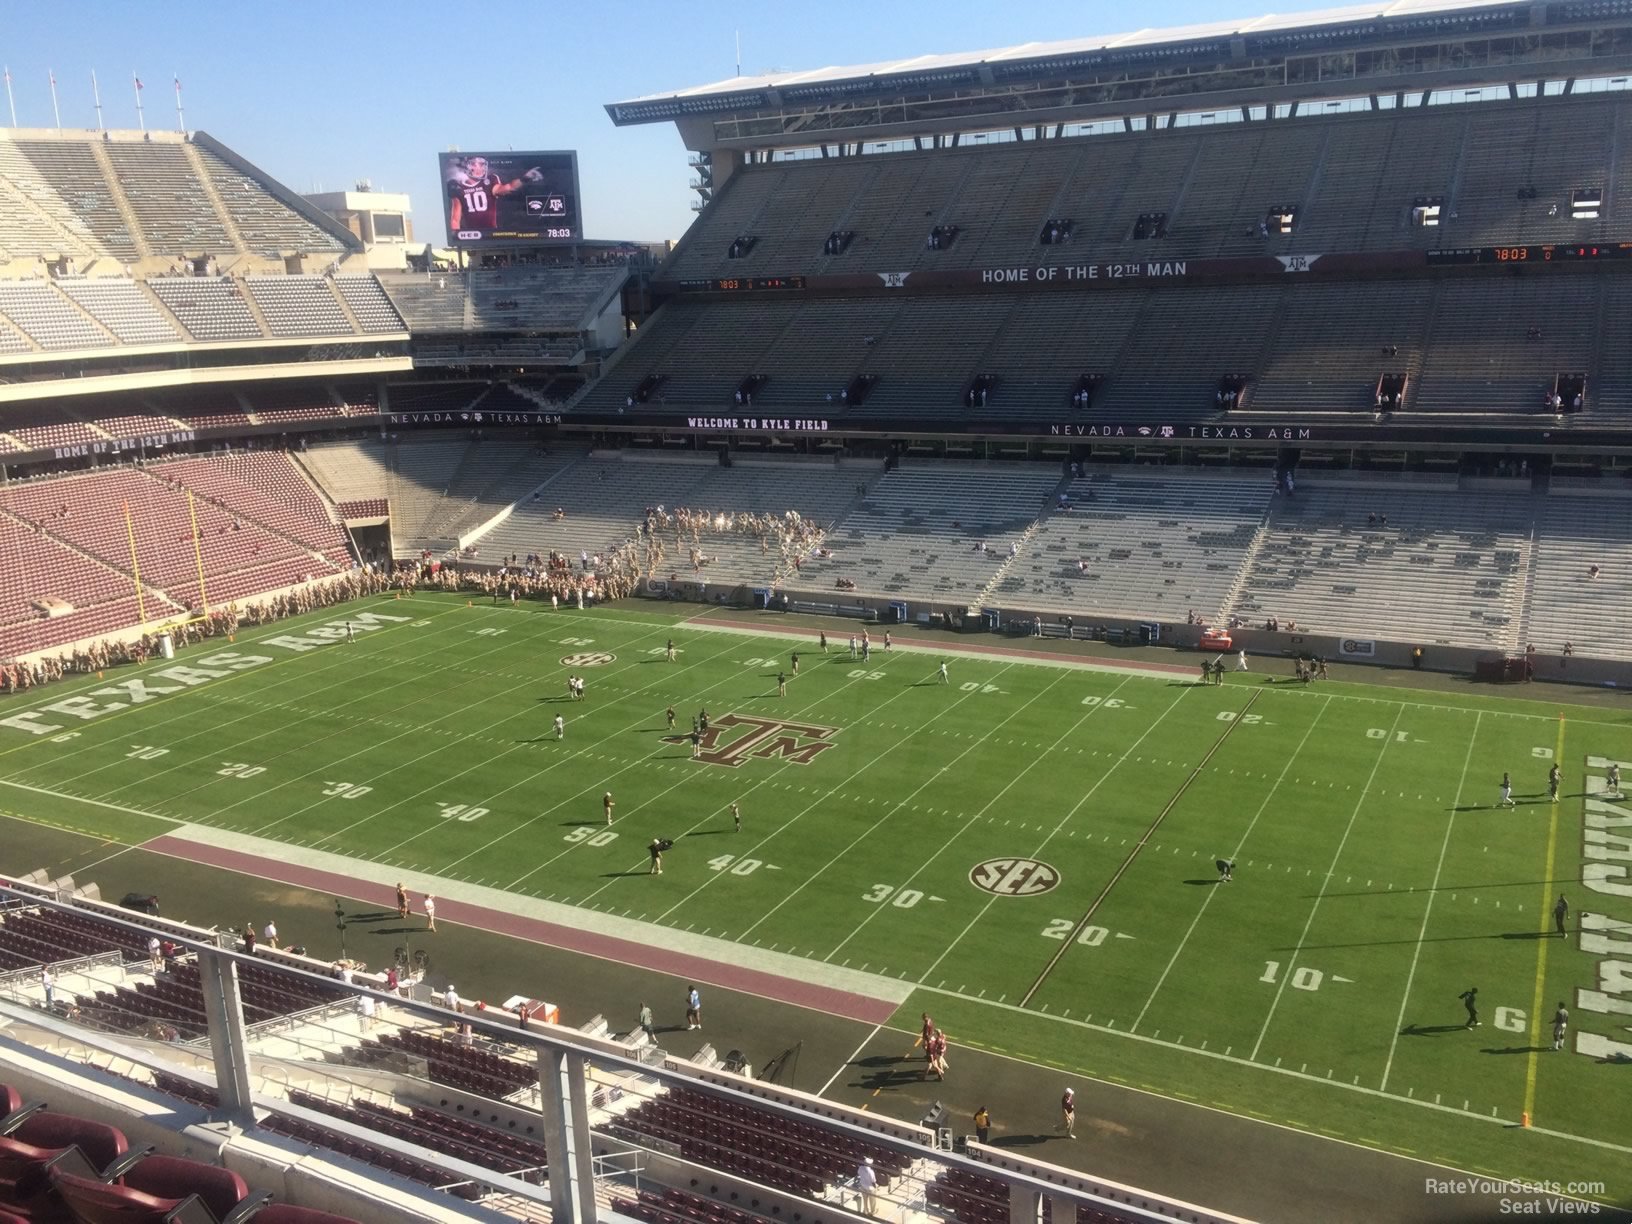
(987, 592)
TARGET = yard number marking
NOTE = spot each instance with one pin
(591, 836)
(345, 790)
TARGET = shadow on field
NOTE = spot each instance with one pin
(1205, 882)
(1430, 1030)
(703, 833)
(1513, 1049)
(397, 930)
(376, 916)
(1016, 1141)
(580, 824)
(897, 1077)
(618, 875)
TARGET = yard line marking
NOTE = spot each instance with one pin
(215, 728)
(187, 709)
(555, 763)
(946, 842)
(1541, 944)
(874, 827)
(1076, 931)
(990, 901)
(822, 1091)
(694, 775)
(242, 639)
(813, 804)
(1213, 892)
(1433, 891)
(387, 772)
(1362, 1089)
(1291, 964)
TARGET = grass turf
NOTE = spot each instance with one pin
(1375, 878)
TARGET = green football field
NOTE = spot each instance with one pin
(1031, 844)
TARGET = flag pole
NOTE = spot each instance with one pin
(55, 112)
(10, 101)
(181, 120)
(97, 95)
(140, 117)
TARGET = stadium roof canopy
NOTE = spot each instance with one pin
(1372, 18)
(1425, 37)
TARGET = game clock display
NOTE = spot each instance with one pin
(505, 199)
(743, 284)
(1556, 253)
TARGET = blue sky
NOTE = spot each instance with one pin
(321, 95)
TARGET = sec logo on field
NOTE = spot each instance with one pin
(593, 658)
(1013, 877)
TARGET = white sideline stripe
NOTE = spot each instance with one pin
(1237, 1060)
(722, 951)
(1176, 671)
(1168, 671)
(112, 807)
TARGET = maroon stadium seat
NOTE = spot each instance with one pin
(170, 1177)
(100, 1143)
(99, 1202)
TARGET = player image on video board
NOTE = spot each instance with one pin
(511, 197)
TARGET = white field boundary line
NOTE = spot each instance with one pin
(250, 636)
(1064, 820)
(767, 780)
(1428, 910)
(602, 784)
(1172, 671)
(1239, 846)
(112, 807)
(1325, 883)
(303, 749)
(474, 733)
(854, 1054)
(559, 913)
(875, 826)
(1285, 1126)
(822, 798)
(185, 711)
(1237, 1060)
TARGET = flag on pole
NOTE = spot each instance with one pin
(139, 84)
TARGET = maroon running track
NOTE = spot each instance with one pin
(679, 965)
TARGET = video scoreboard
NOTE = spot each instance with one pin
(509, 199)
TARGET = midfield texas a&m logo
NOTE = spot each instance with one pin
(733, 738)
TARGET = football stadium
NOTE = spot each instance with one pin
(1058, 656)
